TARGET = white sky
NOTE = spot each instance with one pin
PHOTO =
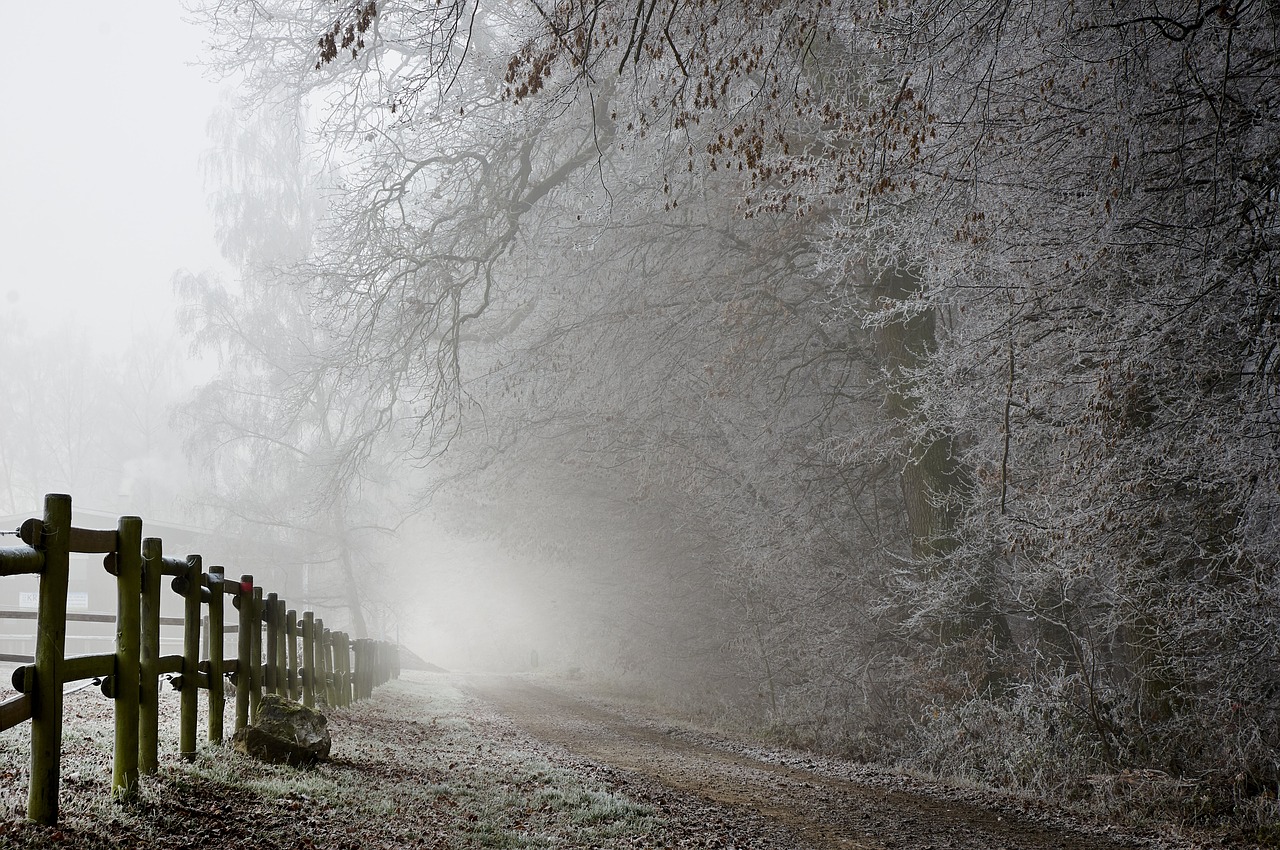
(101, 134)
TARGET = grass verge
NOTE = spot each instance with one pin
(409, 769)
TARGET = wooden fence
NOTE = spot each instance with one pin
(328, 668)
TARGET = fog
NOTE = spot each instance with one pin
(755, 371)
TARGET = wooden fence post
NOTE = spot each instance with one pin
(335, 660)
(255, 654)
(149, 660)
(322, 662)
(217, 698)
(124, 775)
(362, 671)
(362, 667)
(244, 670)
(343, 648)
(291, 659)
(358, 675)
(308, 659)
(270, 673)
(189, 700)
(51, 636)
(282, 649)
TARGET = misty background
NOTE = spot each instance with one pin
(897, 378)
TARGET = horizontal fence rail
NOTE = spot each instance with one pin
(278, 650)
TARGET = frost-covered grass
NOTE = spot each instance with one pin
(409, 768)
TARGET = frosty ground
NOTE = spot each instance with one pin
(497, 762)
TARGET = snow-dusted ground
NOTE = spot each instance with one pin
(468, 762)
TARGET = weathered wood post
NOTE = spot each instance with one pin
(149, 661)
(379, 665)
(335, 640)
(128, 562)
(362, 667)
(244, 661)
(358, 669)
(282, 649)
(380, 650)
(335, 643)
(294, 683)
(255, 654)
(335, 696)
(343, 648)
(217, 698)
(308, 659)
(322, 662)
(54, 538)
(270, 673)
(189, 700)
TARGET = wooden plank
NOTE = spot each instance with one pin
(173, 567)
(92, 540)
(70, 617)
(15, 710)
(88, 667)
(21, 560)
(75, 617)
(169, 664)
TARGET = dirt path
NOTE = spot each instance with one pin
(822, 811)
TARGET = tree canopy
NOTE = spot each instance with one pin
(941, 339)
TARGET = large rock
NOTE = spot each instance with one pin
(286, 732)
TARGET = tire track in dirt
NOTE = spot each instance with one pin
(829, 813)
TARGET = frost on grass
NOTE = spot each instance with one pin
(408, 769)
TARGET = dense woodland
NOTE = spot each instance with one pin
(900, 374)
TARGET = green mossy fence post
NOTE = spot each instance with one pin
(255, 654)
(189, 700)
(282, 650)
(322, 662)
(308, 659)
(149, 660)
(270, 673)
(291, 660)
(331, 661)
(362, 668)
(342, 658)
(358, 649)
(217, 698)
(51, 638)
(348, 679)
(330, 691)
(124, 774)
(335, 641)
(244, 663)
